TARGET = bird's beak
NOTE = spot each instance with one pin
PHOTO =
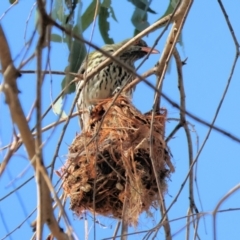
(148, 50)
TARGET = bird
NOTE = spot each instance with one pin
(111, 78)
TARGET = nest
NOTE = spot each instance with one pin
(109, 170)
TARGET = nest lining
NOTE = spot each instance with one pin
(111, 167)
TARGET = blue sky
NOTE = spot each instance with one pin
(208, 45)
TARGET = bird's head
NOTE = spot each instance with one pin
(132, 53)
(137, 50)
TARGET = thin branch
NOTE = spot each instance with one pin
(42, 195)
(20, 225)
(30, 13)
(170, 136)
(200, 120)
(172, 39)
(44, 129)
(150, 29)
(233, 190)
(11, 151)
(229, 26)
(17, 188)
(182, 11)
(50, 72)
(116, 230)
(185, 126)
(181, 218)
(11, 6)
(10, 90)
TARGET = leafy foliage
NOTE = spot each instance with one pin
(63, 11)
(142, 5)
(77, 52)
(56, 38)
(170, 8)
(139, 17)
(88, 15)
(103, 24)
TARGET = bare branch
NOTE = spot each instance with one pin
(233, 190)
(10, 90)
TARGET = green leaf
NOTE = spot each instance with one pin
(112, 13)
(77, 54)
(68, 38)
(58, 11)
(107, 4)
(56, 38)
(139, 20)
(88, 15)
(63, 11)
(170, 8)
(77, 50)
(136, 32)
(36, 19)
(65, 82)
(143, 5)
(12, 1)
(180, 40)
(57, 108)
(104, 25)
(79, 19)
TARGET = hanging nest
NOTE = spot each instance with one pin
(109, 170)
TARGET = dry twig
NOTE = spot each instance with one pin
(10, 90)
